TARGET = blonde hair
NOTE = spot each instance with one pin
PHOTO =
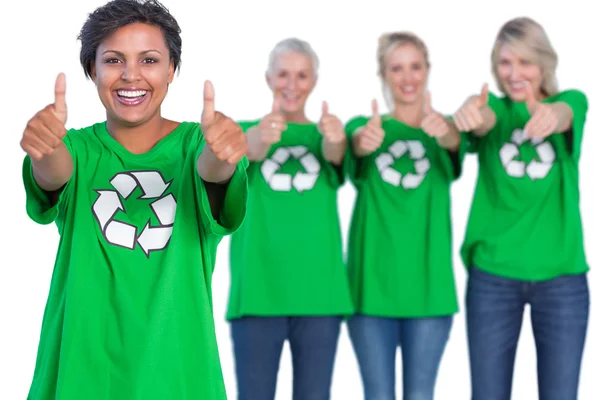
(389, 42)
(527, 33)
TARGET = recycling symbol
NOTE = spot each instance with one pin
(301, 181)
(118, 233)
(415, 151)
(535, 169)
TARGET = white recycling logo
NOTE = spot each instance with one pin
(535, 169)
(416, 152)
(122, 234)
(301, 181)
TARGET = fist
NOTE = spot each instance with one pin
(272, 125)
(469, 116)
(433, 124)
(331, 127)
(371, 136)
(544, 119)
(44, 132)
(224, 136)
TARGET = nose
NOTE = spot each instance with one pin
(131, 73)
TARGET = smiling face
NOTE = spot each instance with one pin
(132, 73)
(292, 79)
(515, 68)
(405, 73)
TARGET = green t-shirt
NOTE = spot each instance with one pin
(129, 314)
(525, 221)
(287, 257)
(400, 244)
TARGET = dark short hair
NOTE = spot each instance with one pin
(118, 13)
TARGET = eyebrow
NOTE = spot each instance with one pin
(123, 55)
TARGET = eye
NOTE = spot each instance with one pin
(302, 75)
(417, 67)
(111, 60)
(396, 68)
(149, 60)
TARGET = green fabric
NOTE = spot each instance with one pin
(525, 221)
(400, 245)
(286, 258)
(129, 314)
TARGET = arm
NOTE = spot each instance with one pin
(257, 148)
(52, 164)
(451, 140)
(334, 152)
(489, 121)
(564, 116)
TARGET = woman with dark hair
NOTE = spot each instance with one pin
(141, 203)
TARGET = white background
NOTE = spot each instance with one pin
(228, 42)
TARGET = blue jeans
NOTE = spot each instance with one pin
(559, 317)
(422, 341)
(257, 346)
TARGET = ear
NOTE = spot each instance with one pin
(171, 73)
(268, 80)
(93, 71)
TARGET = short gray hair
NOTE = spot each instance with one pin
(293, 45)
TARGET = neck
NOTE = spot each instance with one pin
(297, 116)
(139, 139)
(410, 114)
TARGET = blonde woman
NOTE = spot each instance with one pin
(524, 240)
(400, 247)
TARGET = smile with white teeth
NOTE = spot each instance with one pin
(408, 89)
(518, 85)
(288, 96)
(131, 94)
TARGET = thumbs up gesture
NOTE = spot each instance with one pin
(272, 125)
(371, 136)
(544, 119)
(469, 116)
(434, 124)
(223, 136)
(45, 131)
(331, 127)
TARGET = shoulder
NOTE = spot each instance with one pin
(245, 125)
(356, 122)
(573, 97)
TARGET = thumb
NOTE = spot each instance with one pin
(427, 105)
(276, 105)
(375, 109)
(530, 99)
(208, 111)
(60, 103)
(325, 108)
(484, 96)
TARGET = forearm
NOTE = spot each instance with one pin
(489, 121)
(257, 150)
(53, 171)
(213, 170)
(451, 140)
(334, 152)
(564, 114)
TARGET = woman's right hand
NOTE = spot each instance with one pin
(471, 116)
(45, 131)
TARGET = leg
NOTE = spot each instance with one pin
(494, 318)
(313, 344)
(559, 316)
(375, 341)
(422, 341)
(257, 345)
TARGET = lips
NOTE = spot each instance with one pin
(131, 97)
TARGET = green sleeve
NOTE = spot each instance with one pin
(498, 105)
(354, 166)
(38, 205)
(245, 125)
(233, 210)
(579, 105)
